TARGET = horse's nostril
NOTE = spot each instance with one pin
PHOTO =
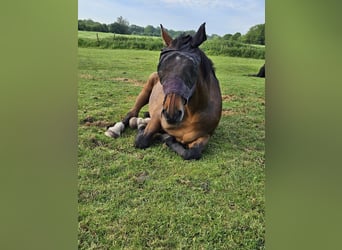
(165, 114)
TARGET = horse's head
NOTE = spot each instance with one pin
(178, 70)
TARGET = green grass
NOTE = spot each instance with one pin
(152, 199)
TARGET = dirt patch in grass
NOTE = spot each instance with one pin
(90, 121)
(132, 81)
(116, 79)
(87, 76)
(262, 101)
(94, 142)
(228, 112)
(228, 98)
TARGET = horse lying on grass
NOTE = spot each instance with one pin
(261, 73)
(184, 99)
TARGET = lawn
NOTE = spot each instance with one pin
(141, 199)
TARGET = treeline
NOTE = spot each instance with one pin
(255, 35)
(122, 26)
(214, 46)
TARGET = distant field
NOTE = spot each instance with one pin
(258, 45)
(151, 199)
(92, 35)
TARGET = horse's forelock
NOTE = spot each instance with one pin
(182, 42)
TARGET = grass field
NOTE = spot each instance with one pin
(103, 35)
(152, 199)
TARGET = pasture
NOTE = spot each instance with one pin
(152, 199)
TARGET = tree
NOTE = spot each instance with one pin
(81, 25)
(136, 30)
(90, 25)
(256, 34)
(215, 36)
(122, 21)
(227, 36)
(121, 26)
(149, 30)
(236, 36)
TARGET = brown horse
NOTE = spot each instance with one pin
(184, 98)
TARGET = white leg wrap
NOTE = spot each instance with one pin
(142, 122)
(116, 130)
(133, 122)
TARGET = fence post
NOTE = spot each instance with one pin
(98, 40)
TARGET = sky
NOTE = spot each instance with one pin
(221, 16)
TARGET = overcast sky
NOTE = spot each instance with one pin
(221, 16)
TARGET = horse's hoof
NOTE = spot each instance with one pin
(166, 138)
(141, 144)
(192, 154)
(110, 133)
(116, 130)
(141, 141)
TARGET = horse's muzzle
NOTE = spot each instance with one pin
(173, 118)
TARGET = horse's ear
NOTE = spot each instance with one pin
(199, 37)
(166, 37)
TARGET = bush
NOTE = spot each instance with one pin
(234, 49)
(215, 46)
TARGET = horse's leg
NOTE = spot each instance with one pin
(141, 101)
(146, 133)
(142, 98)
(194, 150)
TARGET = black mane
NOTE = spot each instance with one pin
(183, 43)
(207, 66)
